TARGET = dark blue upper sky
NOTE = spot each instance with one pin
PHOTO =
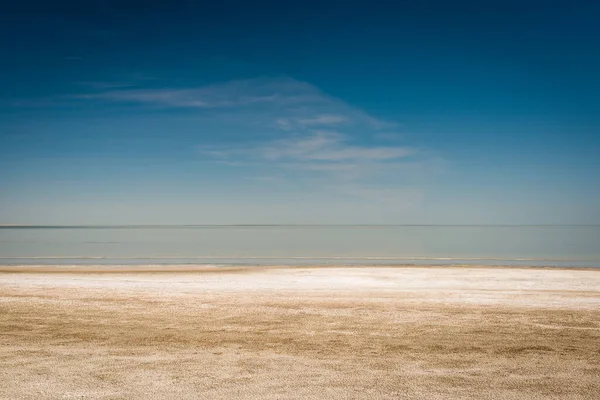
(416, 112)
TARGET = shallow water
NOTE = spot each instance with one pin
(491, 245)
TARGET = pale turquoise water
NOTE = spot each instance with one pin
(494, 245)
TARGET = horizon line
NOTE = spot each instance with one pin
(118, 226)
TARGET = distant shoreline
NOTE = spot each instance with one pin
(203, 268)
(161, 226)
(291, 262)
(347, 258)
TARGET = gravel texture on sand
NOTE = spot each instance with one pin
(299, 333)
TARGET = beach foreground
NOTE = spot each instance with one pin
(309, 333)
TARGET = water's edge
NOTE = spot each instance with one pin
(294, 261)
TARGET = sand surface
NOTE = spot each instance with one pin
(301, 333)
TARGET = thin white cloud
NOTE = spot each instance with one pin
(328, 157)
(307, 122)
(329, 146)
(290, 103)
(288, 128)
(325, 119)
(282, 91)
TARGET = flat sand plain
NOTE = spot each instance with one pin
(299, 333)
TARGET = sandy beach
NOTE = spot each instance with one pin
(299, 333)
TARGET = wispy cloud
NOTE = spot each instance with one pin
(327, 155)
(288, 125)
(288, 103)
(328, 120)
(329, 146)
(325, 119)
(282, 91)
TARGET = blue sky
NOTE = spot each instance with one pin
(300, 112)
